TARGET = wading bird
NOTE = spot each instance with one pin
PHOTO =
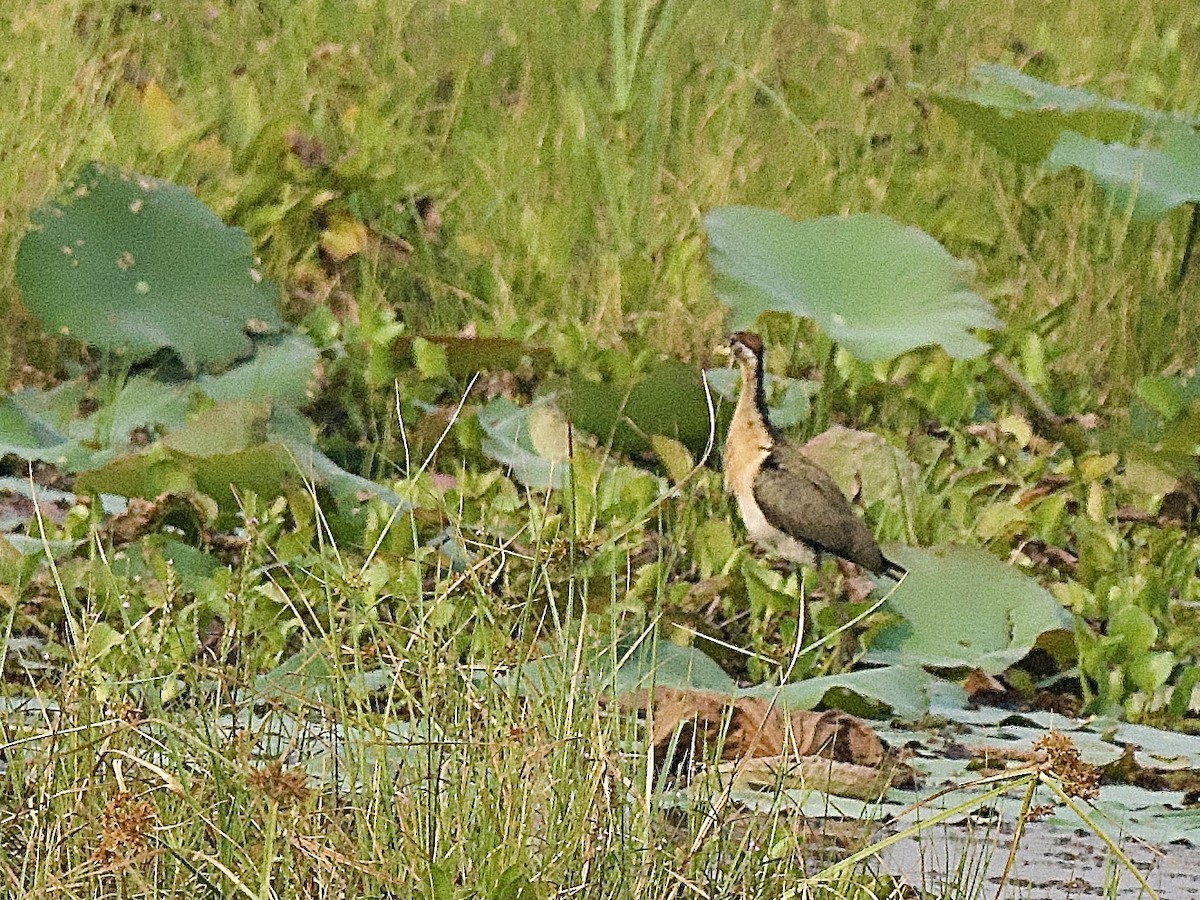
(791, 506)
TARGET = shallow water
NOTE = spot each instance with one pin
(1052, 864)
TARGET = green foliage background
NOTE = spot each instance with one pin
(570, 151)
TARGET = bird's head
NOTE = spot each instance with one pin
(746, 348)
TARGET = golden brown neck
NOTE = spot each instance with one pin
(750, 435)
(751, 406)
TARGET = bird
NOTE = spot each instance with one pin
(791, 507)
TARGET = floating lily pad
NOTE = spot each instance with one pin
(875, 286)
(663, 664)
(233, 443)
(1023, 117)
(962, 607)
(132, 264)
(1157, 180)
(902, 689)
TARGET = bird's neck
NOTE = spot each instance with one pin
(751, 410)
(750, 436)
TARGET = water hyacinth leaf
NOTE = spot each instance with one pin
(132, 264)
(962, 607)
(875, 286)
(1023, 117)
(1155, 180)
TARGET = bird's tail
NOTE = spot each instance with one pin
(893, 570)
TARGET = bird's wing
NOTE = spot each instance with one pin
(800, 499)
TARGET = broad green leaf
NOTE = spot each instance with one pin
(306, 675)
(142, 403)
(864, 462)
(766, 590)
(1168, 395)
(876, 287)
(278, 373)
(903, 689)
(1022, 116)
(24, 434)
(674, 456)
(465, 356)
(663, 664)
(132, 264)
(224, 428)
(1156, 180)
(1135, 628)
(148, 474)
(668, 400)
(530, 440)
(964, 608)
(293, 432)
(430, 359)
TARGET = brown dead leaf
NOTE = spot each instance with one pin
(701, 594)
(808, 773)
(307, 149)
(986, 689)
(856, 587)
(687, 723)
(1044, 556)
(1046, 486)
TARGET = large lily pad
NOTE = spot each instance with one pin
(232, 444)
(964, 608)
(132, 264)
(1157, 180)
(663, 664)
(875, 286)
(902, 689)
(1022, 116)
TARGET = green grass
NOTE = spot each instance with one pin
(571, 150)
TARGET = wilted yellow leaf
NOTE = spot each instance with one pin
(344, 238)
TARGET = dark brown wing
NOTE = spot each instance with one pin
(800, 499)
